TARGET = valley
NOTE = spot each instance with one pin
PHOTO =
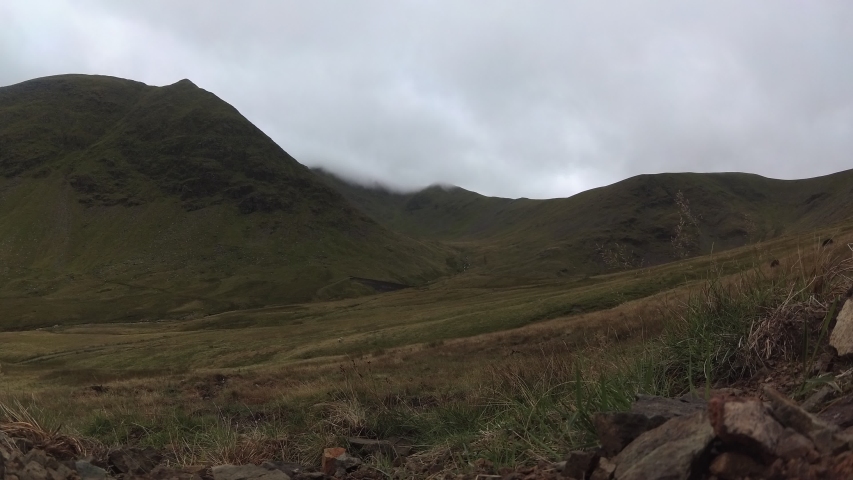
(172, 278)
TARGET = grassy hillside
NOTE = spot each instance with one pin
(124, 201)
(627, 224)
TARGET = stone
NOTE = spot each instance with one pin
(667, 452)
(290, 469)
(744, 422)
(579, 464)
(734, 466)
(329, 456)
(839, 413)
(841, 337)
(604, 470)
(335, 459)
(136, 461)
(247, 472)
(87, 471)
(811, 404)
(793, 444)
(789, 414)
(615, 430)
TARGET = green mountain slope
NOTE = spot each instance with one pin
(124, 201)
(629, 223)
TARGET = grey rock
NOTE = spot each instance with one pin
(136, 461)
(290, 469)
(822, 434)
(667, 452)
(615, 430)
(841, 337)
(87, 471)
(817, 398)
(247, 472)
(347, 462)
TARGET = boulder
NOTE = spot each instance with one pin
(615, 430)
(668, 452)
(247, 472)
(841, 337)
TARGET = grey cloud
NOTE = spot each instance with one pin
(536, 99)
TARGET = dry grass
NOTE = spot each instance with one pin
(512, 396)
(807, 309)
(18, 423)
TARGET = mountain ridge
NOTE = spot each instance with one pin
(639, 215)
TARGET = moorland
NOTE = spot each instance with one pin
(170, 277)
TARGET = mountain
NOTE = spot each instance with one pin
(630, 223)
(123, 201)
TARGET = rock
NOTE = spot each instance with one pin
(794, 445)
(734, 466)
(839, 413)
(36, 464)
(667, 452)
(134, 460)
(604, 470)
(329, 456)
(162, 472)
(247, 472)
(745, 423)
(789, 414)
(335, 459)
(817, 398)
(87, 471)
(290, 469)
(579, 464)
(615, 430)
(841, 337)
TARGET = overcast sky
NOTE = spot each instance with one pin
(510, 98)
